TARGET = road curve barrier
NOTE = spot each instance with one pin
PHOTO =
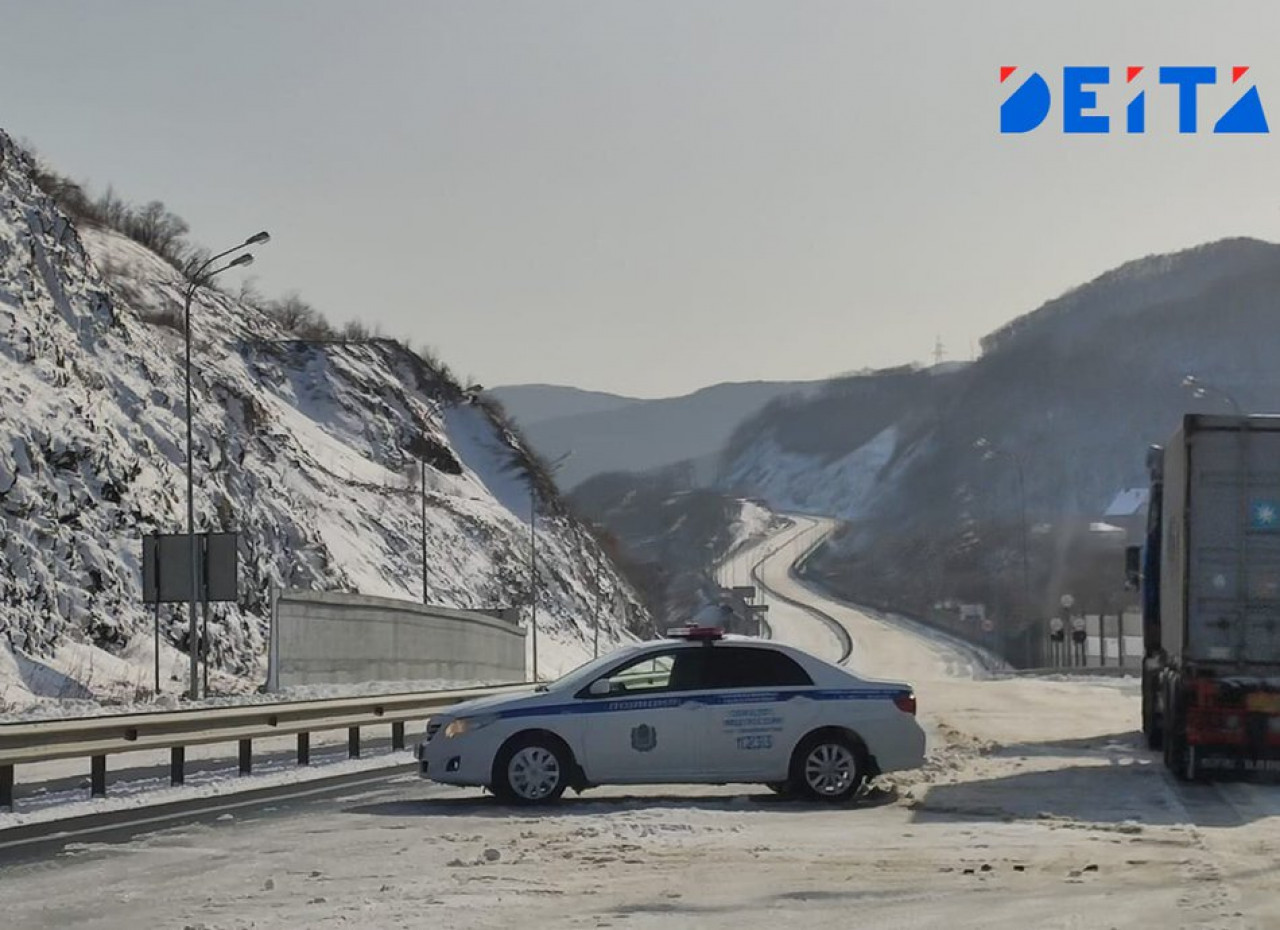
(837, 628)
(96, 738)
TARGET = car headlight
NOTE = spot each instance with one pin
(466, 725)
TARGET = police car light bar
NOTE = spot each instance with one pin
(696, 632)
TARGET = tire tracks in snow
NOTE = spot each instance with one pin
(1217, 901)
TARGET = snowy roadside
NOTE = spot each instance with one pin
(63, 710)
(52, 709)
(1039, 807)
(136, 794)
(787, 622)
(57, 789)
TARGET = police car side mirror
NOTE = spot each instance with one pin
(599, 688)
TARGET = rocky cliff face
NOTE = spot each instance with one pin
(311, 452)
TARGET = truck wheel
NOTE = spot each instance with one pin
(1152, 724)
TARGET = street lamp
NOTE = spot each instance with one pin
(199, 279)
(592, 539)
(1199, 389)
(990, 451)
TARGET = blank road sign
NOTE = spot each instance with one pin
(166, 567)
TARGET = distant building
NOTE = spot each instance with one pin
(1128, 511)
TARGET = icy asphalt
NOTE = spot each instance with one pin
(1038, 808)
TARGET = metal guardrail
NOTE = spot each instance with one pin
(835, 626)
(1076, 671)
(99, 737)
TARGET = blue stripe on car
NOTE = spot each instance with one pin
(615, 705)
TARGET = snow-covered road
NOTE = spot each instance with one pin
(1037, 809)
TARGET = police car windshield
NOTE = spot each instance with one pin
(587, 670)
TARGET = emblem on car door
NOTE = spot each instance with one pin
(643, 738)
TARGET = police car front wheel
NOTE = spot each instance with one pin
(532, 769)
(828, 767)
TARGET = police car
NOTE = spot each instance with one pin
(698, 706)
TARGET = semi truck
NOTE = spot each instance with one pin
(1209, 574)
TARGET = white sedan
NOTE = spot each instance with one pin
(698, 707)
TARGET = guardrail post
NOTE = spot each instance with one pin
(304, 748)
(397, 735)
(98, 776)
(353, 743)
(177, 765)
(246, 756)
(6, 786)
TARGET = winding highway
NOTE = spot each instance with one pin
(1038, 807)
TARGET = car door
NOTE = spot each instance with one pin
(648, 727)
(759, 707)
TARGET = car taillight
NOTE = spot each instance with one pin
(906, 702)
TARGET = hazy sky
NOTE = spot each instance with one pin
(648, 197)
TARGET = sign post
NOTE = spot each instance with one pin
(1057, 639)
(167, 578)
(156, 637)
(1079, 639)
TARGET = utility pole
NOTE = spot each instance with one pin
(199, 279)
(595, 646)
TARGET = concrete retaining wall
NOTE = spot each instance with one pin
(326, 638)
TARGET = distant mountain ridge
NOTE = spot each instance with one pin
(933, 468)
(534, 403)
(633, 435)
(933, 473)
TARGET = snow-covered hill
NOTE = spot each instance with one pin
(536, 403)
(1075, 390)
(933, 467)
(310, 451)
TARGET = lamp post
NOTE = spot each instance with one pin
(199, 279)
(422, 488)
(597, 530)
(595, 607)
(991, 451)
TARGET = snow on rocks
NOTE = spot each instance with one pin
(310, 451)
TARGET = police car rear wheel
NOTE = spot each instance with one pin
(828, 768)
(533, 770)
